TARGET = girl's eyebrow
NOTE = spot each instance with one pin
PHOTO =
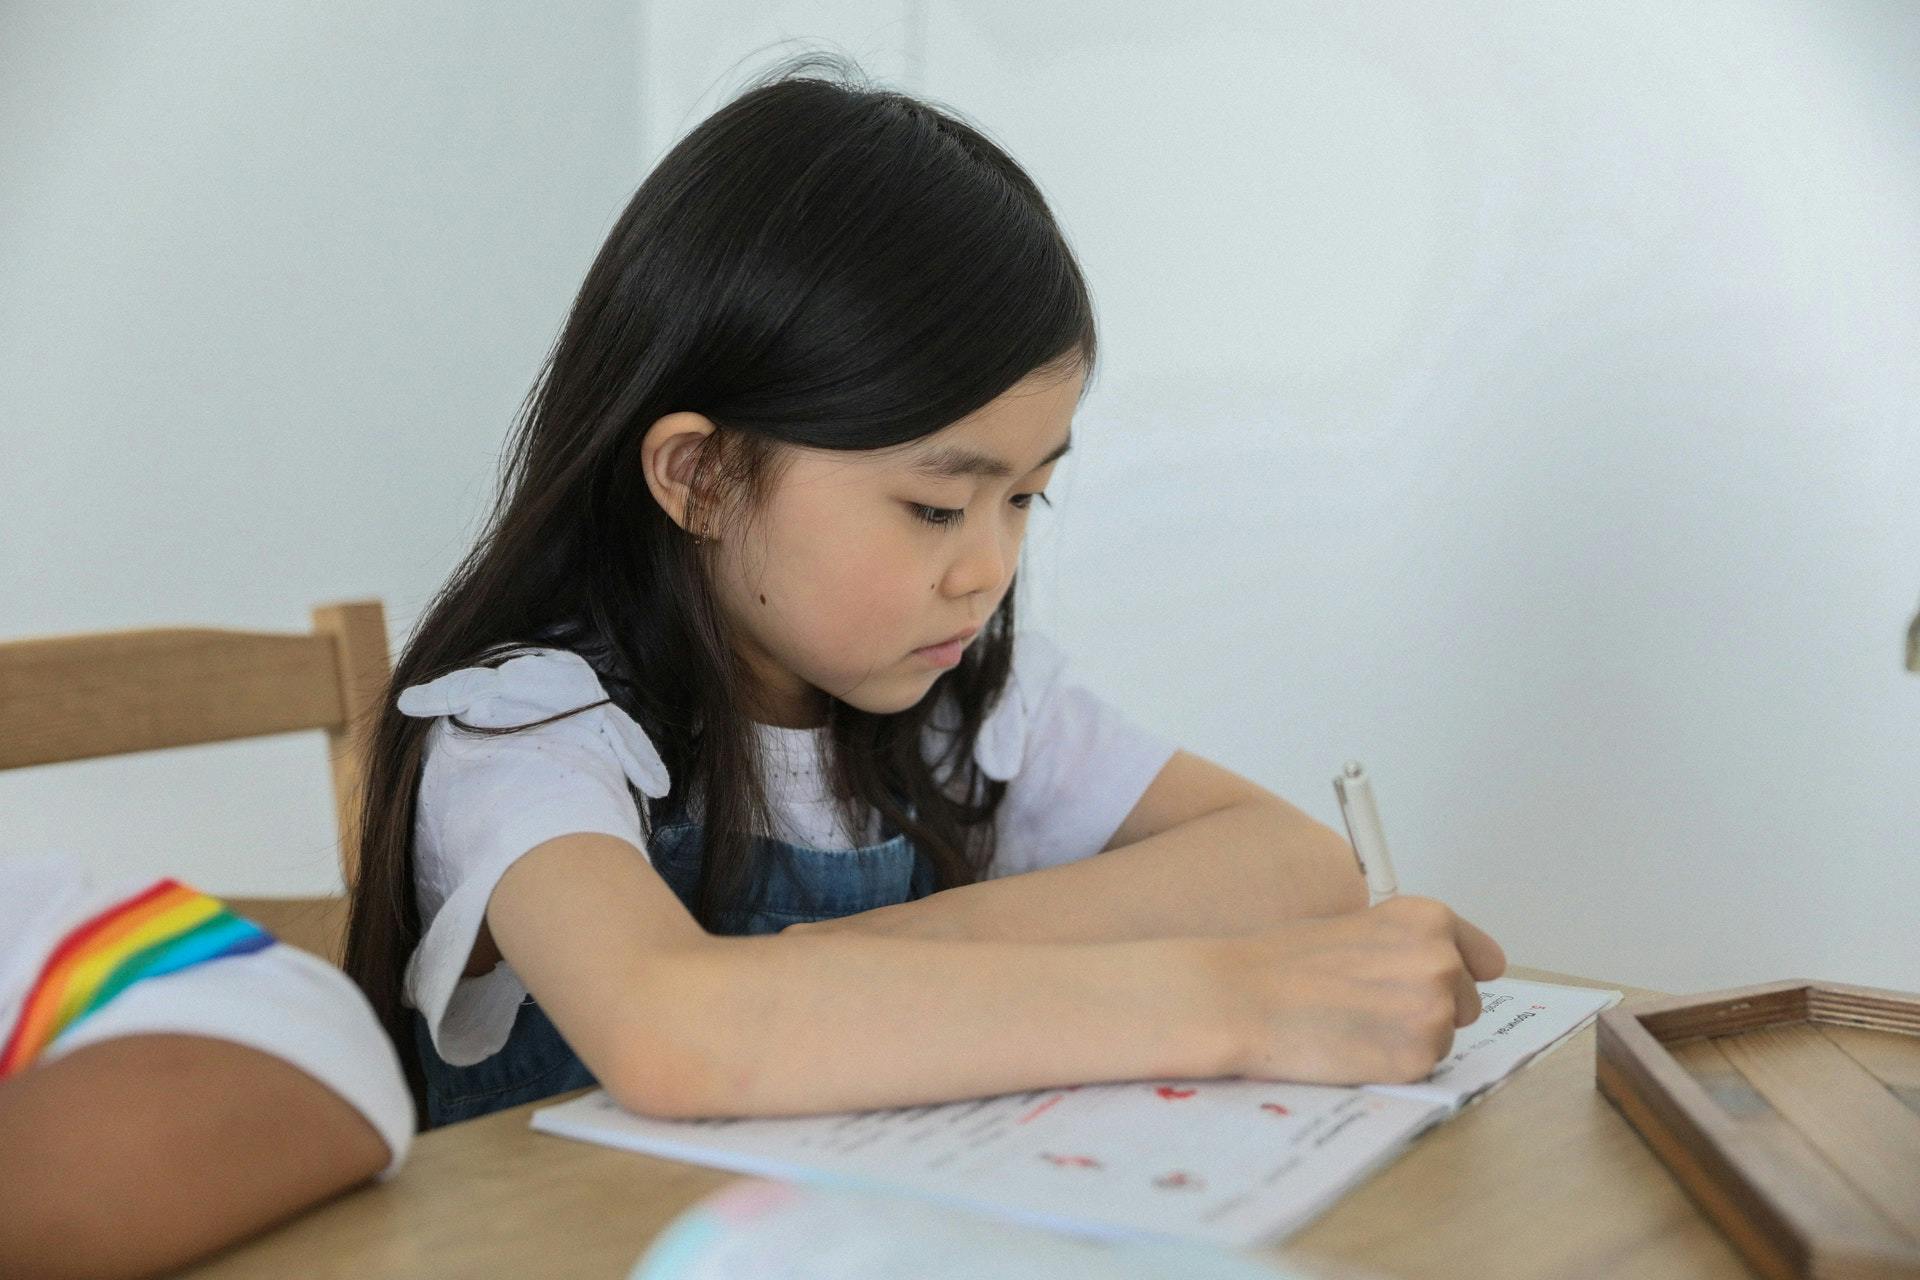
(953, 462)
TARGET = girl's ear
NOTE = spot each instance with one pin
(667, 456)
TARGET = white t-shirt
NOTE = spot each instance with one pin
(1074, 766)
(55, 922)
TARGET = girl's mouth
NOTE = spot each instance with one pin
(942, 655)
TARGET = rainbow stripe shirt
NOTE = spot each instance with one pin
(162, 929)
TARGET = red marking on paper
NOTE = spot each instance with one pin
(1276, 1108)
(1168, 1091)
(1077, 1162)
(1042, 1107)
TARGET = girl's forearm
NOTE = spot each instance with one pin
(1248, 866)
(789, 1025)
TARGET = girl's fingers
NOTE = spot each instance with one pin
(1466, 1000)
(1483, 956)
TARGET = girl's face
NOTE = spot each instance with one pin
(861, 558)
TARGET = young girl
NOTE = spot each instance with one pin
(719, 772)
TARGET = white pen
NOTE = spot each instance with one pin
(1363, 830)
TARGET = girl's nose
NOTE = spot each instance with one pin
(986, 560)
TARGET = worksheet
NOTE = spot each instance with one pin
(1229, 1161)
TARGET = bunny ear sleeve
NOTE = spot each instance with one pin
(638, 757)
(1074, 764)
(451, 695)
(533, 685)
(1001, 746)
(1002, 737)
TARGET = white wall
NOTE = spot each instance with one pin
(1518, 398)
(273, 280)
(1522, 399)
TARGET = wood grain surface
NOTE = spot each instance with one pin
(1541, 1178)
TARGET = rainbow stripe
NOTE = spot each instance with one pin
(164, 928)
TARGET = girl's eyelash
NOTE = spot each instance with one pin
(947, 517)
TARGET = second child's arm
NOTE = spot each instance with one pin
(211, 1141)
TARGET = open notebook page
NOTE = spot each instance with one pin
(1228, 1161)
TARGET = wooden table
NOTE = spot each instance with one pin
(1542, 1178)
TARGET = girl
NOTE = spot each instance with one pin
(719, 773)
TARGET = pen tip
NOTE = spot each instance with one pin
(1353, 769)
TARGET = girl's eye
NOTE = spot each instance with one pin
(947, 517)
(938, 516)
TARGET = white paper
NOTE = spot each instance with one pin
(1230, 1161)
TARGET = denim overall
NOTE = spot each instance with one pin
(800, 884)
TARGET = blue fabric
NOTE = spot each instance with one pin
(800, 884)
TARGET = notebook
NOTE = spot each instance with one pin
(1232, 1162)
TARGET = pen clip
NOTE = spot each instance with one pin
(1346, 815)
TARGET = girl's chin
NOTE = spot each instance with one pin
(906, 693)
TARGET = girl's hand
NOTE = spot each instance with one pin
(1369, 997)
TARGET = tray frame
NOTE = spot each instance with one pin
(1754, 1197)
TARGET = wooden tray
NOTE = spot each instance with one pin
(1789, 1111)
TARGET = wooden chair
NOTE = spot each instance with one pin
(111, 693)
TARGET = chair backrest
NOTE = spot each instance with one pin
(110, 693)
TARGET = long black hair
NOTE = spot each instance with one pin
(818, 263)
